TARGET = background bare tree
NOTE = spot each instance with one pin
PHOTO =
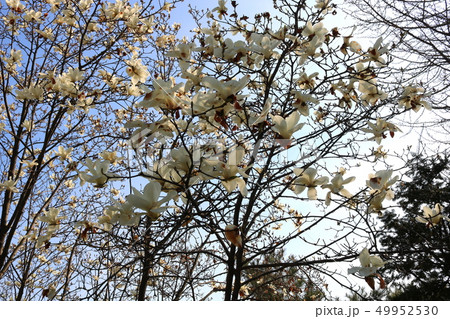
(419, 35)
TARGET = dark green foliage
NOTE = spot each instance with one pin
(420, 267)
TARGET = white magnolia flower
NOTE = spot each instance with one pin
(380, 184)
(182, 51)
(229, 171)
(98, 173)
(15, 5)
(316, 30)
(194, 75)
(286, 127)
(167, 7)
(413, 98)
(379, 153)
(66, 83)
(221, 9)
(14, 59)
(374, 53)
(306, 179)
(316, 38)
(9, 185)
(371, 93)
(30, 93)
(169, 177)
(111, 157)
(379, 130)
(165, 40)
(307, 82)
(29, 164)
(125, 213)
(376, 204)
(137, 71)
(322, 4)
(432, 217)
(382, 181)
(337, 185)
(369, 264)
(165, 95)
(107, 219)
(74, 75)
(149, 200)
(182, 159)
(227, 89)
(64, 153)
(51, 218)
(265, 45)
(355, 47)
(302, 100)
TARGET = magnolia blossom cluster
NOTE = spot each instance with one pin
(379, 185)
(209, 163)
(68, 50)
(218, 104)
(107, 16)
(222, 90)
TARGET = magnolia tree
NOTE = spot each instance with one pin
(237, 145)
(65, 92)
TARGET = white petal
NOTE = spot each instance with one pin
(420, 219)
(152, 191)
(312, 193)
(346, 193)
(139, 202)
(230, 185)
(427, 211)
(242, 187)
(298, 189)
(292, 119)
(364, 258)
(376, 261)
